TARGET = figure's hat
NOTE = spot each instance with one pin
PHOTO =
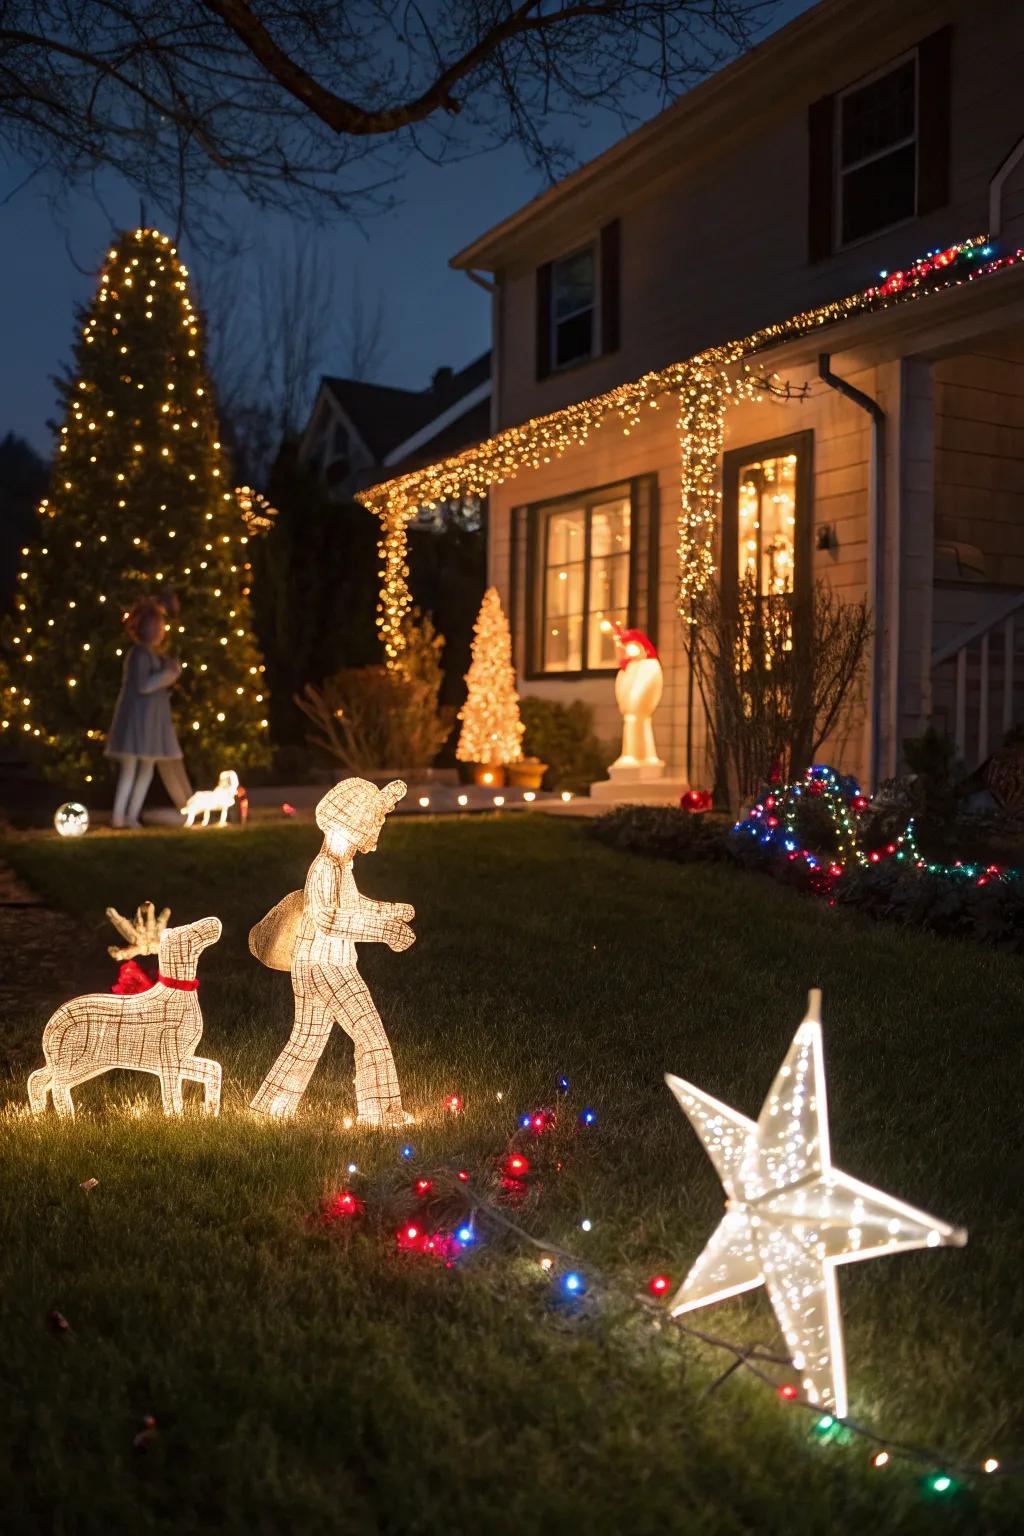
(357, 807)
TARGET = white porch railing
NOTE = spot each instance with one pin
(978, 682)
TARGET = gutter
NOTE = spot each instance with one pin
(876, 552)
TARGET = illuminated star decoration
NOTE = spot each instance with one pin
(791, 1217)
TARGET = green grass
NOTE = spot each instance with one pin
(320, 1382)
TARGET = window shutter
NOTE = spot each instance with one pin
(610, 286)
(820, 163)
(933, 83)
(544, 320)
(515, 577)
(644, 557)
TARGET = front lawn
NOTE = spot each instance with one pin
(317, 1380)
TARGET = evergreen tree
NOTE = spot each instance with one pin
(492, 732)
(139, 502)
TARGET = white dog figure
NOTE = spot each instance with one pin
(206, 800)
(154, 1031)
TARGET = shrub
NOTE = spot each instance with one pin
(562, 735)
(949, 905)
(662, 832)
(368, 718)
(774, 679)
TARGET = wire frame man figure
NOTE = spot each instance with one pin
(314, 933)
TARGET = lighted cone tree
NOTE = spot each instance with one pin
(140, 502)
(492, 732)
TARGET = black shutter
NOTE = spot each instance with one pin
(643, 573)
(611, 286)
(544, 320)
(820, 166)
(933, 84)
(516, 555)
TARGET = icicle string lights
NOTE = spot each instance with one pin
(703, 389)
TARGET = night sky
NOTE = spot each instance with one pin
(433, 316)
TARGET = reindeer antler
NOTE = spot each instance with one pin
(143, 935)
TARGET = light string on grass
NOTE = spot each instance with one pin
(469, 1211)
(702, 386)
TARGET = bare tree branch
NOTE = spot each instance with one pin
(189, 99)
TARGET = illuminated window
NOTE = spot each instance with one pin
(573, 307)
(766, 524)
(584, 570)
(876, 152)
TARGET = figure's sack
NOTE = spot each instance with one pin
(272, 940)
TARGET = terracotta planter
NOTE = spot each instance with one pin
(526, 774)
(490, 775)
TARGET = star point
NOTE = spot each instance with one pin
(791, 1217)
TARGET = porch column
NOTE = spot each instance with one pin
(904, 626)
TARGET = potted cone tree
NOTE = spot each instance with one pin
(491, 739)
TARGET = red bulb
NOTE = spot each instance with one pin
(342, 1204)
(658, 1285)
(463, 1175)
(788, 1391)
(453, 1104)
(424, 1186)
(517, 1164)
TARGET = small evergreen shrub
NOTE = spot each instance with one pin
(662, 832)
(562, 735)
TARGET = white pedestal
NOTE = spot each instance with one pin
(645, 787)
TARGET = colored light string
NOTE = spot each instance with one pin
(772, 824)
(578, 1284)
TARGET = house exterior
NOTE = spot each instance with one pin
(871, 443)
(358, 432)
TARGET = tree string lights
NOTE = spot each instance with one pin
(139, 503)
(703, 387)
(492, 732)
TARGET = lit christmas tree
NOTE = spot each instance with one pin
(140, 502)
(492, 732)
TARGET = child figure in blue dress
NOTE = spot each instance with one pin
(141, 734)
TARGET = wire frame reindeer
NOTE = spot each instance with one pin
(154, 1031)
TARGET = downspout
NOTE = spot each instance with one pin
(876, 546)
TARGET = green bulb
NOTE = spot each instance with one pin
(940, 1483)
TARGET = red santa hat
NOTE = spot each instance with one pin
(633, 644)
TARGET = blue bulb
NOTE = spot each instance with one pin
(588, 1116)
(563, 1085)
(407, 1152)
(465, 1234)
(573, 1283)
(525, 1121)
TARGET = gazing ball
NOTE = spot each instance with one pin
(71, 819)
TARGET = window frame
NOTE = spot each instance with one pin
(840, 171)
(801, 444)
(536, 568)
(594, 246)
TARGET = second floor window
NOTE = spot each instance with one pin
(573, 307)
(877, 153)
